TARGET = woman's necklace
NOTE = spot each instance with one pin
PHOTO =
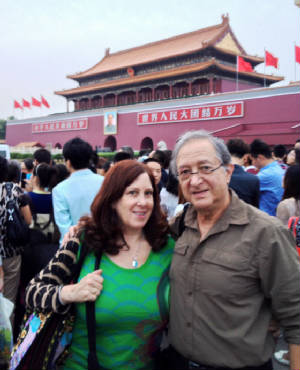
(135, 263)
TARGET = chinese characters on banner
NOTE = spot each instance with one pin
(69, 125)
(230, 110)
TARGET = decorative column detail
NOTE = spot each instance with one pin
(116, 100)
(153, 93)
(171, 91)
(190, 88)
(137, 96)
(211, 85)
(76, 102)
(89, 104)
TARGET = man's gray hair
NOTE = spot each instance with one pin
(219, 145)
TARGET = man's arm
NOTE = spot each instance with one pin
(62, 213)
(294, 356)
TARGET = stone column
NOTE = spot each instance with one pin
(190, 88)
(211, 85)
(171, 91)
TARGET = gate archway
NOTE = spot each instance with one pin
(110, 142)
(147, 143)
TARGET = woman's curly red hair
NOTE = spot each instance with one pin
(103, 230)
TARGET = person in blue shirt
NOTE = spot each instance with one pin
(73, 197)
(270, 176)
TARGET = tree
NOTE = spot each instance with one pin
(2, 128)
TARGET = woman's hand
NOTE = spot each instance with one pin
(72, 232)
(87, 289)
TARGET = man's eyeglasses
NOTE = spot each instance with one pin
(186, 174)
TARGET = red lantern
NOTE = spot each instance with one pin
(130, 71)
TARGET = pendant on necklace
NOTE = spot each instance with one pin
(134, 263)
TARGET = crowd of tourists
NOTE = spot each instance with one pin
(172, 259)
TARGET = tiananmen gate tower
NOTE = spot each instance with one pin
(159, 90)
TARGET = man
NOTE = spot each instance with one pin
(41, 156)
(243, 183)
(110, 126)
(233, 268)
(279, 155)
(155, 168)
(270, 176)
(73, 197)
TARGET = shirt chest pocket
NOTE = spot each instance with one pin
(224, 274)
(179, 261)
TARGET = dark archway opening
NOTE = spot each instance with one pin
(147, 143)
(110, 142)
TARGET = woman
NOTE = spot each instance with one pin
(41, 198)
(1, 276)
(293, 157)
(288, 207)
(129, 228)
(169, 196)
(290, 203)
(44, 235)
(11, 255)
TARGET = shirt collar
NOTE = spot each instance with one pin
(84, 171)
(235, 214)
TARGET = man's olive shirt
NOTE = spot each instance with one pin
(226, 288)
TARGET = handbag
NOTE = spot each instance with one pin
(6, 308)
(44, 338)
(17, 231)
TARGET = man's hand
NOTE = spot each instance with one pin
(87, 289)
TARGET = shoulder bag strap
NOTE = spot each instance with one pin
(93, 363)
(161, 293)
(181, 221)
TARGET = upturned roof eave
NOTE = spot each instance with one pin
(223, 27)
(159, 75)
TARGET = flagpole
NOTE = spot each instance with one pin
(237, 74)
(265, 68)
(295, 63)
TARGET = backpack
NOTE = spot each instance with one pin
(17, 231)
(294, 226)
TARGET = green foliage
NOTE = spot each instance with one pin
(110, 155)
(2, 128)
(57, 157)
(15, 155)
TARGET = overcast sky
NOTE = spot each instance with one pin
(43, 41)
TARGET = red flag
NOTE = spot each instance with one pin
(270, 60)
(17, 105)
(44, 101)
(243, 66)
(26, 103)
(35, 102)
(297, 53)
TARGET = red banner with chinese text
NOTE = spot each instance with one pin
(217, 111)
(69, 125)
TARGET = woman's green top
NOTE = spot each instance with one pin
(127, 314)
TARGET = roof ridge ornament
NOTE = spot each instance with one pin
(225, 18)
(107, 52)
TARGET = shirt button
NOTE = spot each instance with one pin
(190, 293)
(188, 324)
